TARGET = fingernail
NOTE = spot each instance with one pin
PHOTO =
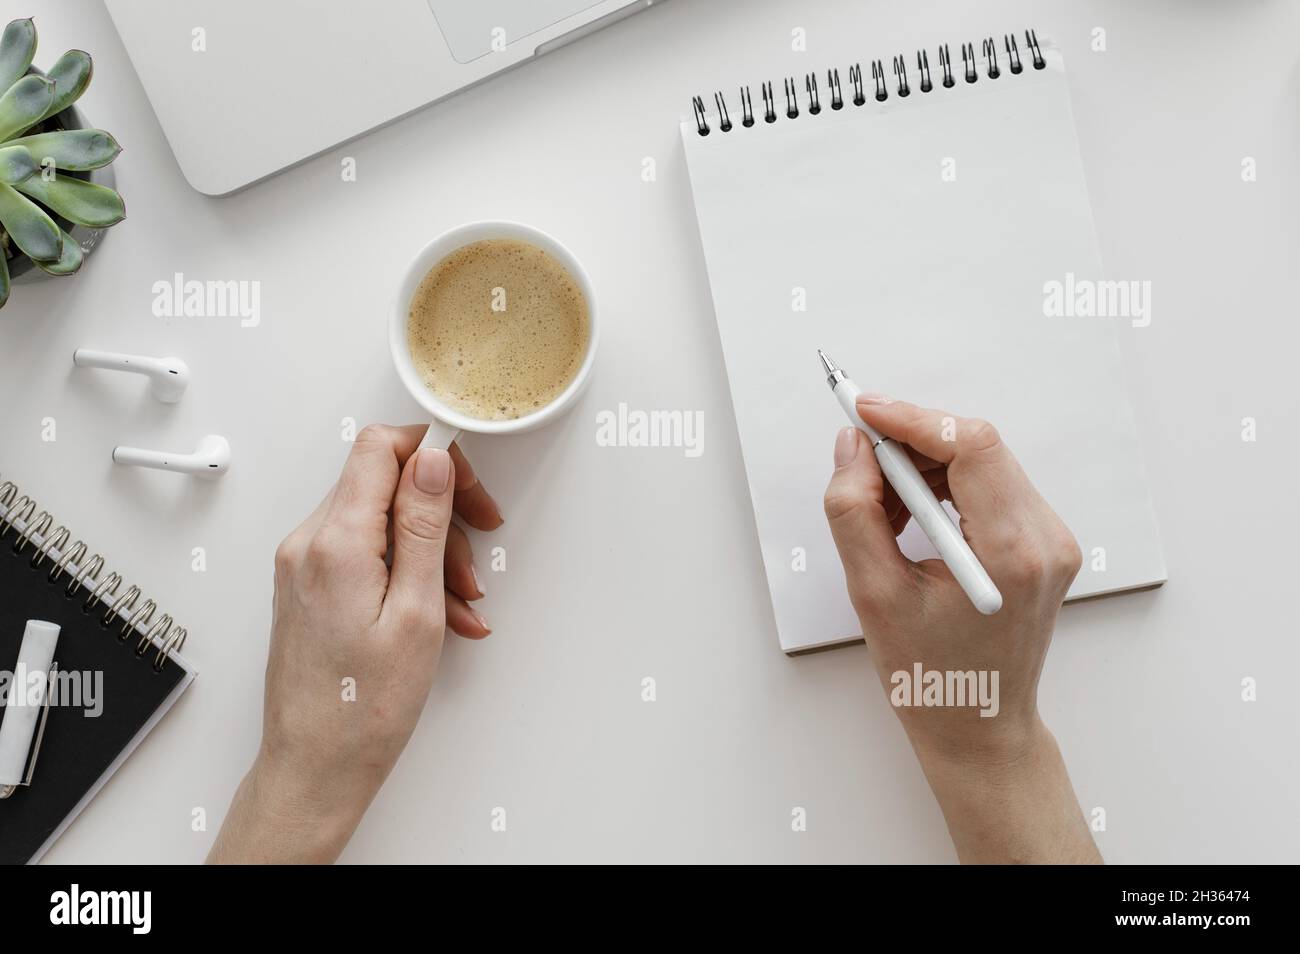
(477, 585)
(432, 470)
(870, 397)
(483, 622)
(846, 446)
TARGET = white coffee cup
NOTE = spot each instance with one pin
(448, 423)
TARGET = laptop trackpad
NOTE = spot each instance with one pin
(477, 28)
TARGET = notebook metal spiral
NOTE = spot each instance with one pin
(84, 573)
(880, 78)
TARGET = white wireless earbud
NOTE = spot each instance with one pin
(209, 461)
(168, 377)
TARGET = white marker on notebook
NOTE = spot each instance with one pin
(897, 466)
(26, 705)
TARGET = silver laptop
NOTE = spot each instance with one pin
(246, 88)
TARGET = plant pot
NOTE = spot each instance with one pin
(22, 270)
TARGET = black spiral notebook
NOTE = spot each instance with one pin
(118, 670)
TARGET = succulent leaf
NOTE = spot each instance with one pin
(17, 48)
(29, 228)
(33, 188)
(69, 261)
(76, 200)
(23, 104)
(71, 75)
(16, 164)
(73, 150)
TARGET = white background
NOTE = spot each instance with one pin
(626, 563)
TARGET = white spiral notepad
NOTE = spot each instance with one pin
(911, 222)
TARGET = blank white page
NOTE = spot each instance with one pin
(928, 290)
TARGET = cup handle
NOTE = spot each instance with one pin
(440, 435)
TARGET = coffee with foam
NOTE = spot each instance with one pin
(498, 329)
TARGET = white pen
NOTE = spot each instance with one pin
(897, 466)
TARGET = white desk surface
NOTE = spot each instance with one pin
(626, 563)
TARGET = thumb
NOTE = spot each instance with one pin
(421, 517)
(855, 510)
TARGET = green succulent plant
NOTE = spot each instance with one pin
(40, 189)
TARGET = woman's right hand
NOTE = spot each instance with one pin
(980, 767)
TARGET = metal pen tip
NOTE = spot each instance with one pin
(827, 363)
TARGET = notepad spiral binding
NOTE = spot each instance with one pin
(83, 572)
(880, 80)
